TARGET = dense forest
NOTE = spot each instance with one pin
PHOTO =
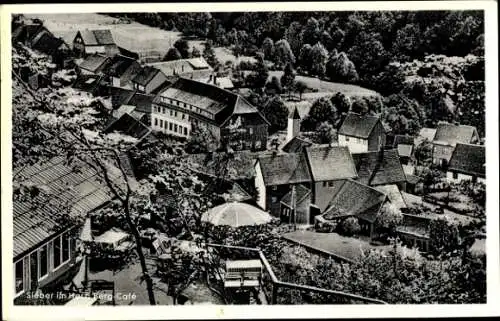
(428, 64)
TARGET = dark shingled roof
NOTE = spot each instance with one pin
(128, 125)
(374, 170)
(330, 163)
(47, 43)
(97, 37)
(118, 65)
(453, 134)
(88, 83)
(283, 169)
(95, 63)
(355, 199)
(356, 125)
(78, 192)
(294, 113)
(468, 159)
(145, 75)
(120, 96)
(296, 145)
(142, 102)
(301, 192)
(403, 139)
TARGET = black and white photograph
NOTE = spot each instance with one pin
(249, 157)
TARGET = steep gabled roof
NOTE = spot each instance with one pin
(47, 43)
(296, 145)
(328, 163)
(360, 126)
(355, 199)
(142, 102)
(294, 113)
(130, 126)
(284, 169)
(118, 65)
(301, 193)
(379, 168)
(97, 37)
(450, 134)
(145, 75)
(94, 62)
(468, 159)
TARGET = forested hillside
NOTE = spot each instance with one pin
(433, 61)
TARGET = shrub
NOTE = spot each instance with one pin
(350, 226)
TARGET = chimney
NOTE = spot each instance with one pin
(215, 80)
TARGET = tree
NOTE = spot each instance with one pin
(322, 110)
(283, 53)
(201, 140)
(288, 78)
(319, 56)
(444, 236)
(301, 87)
(274, 85)
(389, 218)
(293, 36)
(196, 52)
(268, 48)
(311, 32)
(423, 153)
(172, 54)
(340, 68)
(408, 43)
(209, 55)
(350, 226)
(305, 57)
(258, 78)
(183, 46)
(341, 103)
(325, 133)
(276, 113)
(368, 55)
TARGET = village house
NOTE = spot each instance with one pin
(26, 32)
(148, 79)
(467, 163)
(380, 168)
(405, 147)
(192, 68)
(93, 64)
(87, 42)
(447, 137)
(275, 174)
(414, 231)
(188, 104)
(56, 48)
(44, 248)
(121, 70)
(354, 199)
(362, 133)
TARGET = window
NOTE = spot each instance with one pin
(274, 199)
(455, 175)
(44, 262)
(164, 110)
(170, 126)
(330, 184)
(171, 112)
(324, 184)
(19, 275)
(346, 139)
(176, 113)
(161, 122)
(183, 116)
(156, 121)
(185, 131)
(175, 128)
(57, 252)
(65, 239)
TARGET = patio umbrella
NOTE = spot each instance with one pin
(236, 214)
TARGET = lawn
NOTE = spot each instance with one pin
(347, 248)
(131, 36)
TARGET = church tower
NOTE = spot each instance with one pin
(293, 128)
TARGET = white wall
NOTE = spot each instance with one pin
(94, 49)
(293, 129)
(460, 177)
(260, 186)
(355, 145)
(185, 123)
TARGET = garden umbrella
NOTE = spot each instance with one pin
(236, 214)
